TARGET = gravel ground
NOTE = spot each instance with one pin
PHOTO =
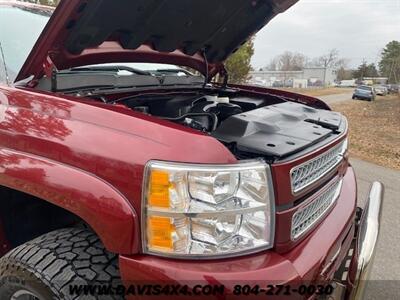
(318, 92)
(374, 129)
(335, 99)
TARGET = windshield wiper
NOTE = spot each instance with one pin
(171, 72)
(97, 72)
(106, 90)
(116, 68)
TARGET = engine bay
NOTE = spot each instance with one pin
(201, 112)
(249, 126)
(251, 123)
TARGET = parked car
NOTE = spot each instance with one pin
(380, 90)
(394, 88)
(364, 92)
(368, 82)
(258, 81)
(116, 173)
(347, 83)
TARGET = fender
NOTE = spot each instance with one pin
(95, 201)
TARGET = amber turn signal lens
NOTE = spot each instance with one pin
(160, 232)
(159, 189)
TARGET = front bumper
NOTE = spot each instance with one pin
(363, 96)
(315, 259)
(365, 243)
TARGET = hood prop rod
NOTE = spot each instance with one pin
(3, 59)
(207, 74)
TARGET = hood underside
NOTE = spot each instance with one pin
(183, 32)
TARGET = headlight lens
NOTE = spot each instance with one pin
(207, 210)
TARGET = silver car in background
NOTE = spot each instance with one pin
(381, 90)
(364, 92)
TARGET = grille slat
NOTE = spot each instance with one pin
(306, 174)
(305, 218)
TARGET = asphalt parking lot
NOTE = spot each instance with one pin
(385, 276)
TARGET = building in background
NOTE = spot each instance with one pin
(375, 80)
(300, 83)
(308, 77)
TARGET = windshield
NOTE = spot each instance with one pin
(20, 27)
(19, 30)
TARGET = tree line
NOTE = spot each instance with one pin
(239, 66)
(44, 2)
(294, 61)
(388, 66)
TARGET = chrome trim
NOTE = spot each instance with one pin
(331, 261)
(205, 214)
(367, 239)
(342, 147)
(322, 203)
(339, 291)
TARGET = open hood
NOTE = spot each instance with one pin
(199, 34)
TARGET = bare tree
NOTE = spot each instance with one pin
(343, 71)
(344, 74)
(273, 64)
(287, 61)
(329, 60)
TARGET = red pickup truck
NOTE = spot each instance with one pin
(122, 174)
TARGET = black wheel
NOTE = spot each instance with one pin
(48, 266)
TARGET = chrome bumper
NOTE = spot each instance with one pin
(367, 239)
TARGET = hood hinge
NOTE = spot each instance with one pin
(225, 75)
(49, 67)
(50, 70)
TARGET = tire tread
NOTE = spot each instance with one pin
(64, 257)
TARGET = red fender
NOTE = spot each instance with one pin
(95, 201)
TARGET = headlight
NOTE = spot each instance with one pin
(207, 211)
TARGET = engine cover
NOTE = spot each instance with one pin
(280, 130)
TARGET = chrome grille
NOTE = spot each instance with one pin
(305, 218)
(312, 170)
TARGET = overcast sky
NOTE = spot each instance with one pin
(359, 29)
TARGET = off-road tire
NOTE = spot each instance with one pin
(49, 265)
